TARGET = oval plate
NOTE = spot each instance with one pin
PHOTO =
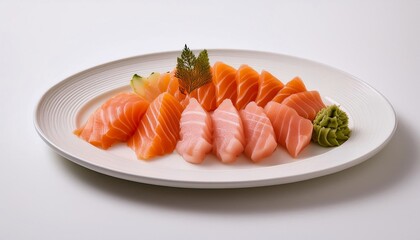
(68, 104)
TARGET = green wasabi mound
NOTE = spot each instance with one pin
(331, 127)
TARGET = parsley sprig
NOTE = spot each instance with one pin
(192, 72)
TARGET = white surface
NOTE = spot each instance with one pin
(67, 106)
(44, 196)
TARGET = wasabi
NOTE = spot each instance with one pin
(331, 127)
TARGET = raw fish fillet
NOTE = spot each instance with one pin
(268, 87)
(259, 133)
(158, 131)
(115, 121)
(224, 79)
(195, 133)
(307, 104)
(206, 96)
(293, 132)
(228, 135)
(173, 87)
(293, 86)
(247, 85)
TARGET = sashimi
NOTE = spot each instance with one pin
(228, 135)
(293, 132)
(293, 86)
(116, 120)
(195, 133)
(268, 87)
(197, 108)
(307, 104)
(206, 96)
(259, 133)
(247, 85)
(158, 131)
(224, 79)
(173, 87)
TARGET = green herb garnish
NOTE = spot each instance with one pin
(192, 72)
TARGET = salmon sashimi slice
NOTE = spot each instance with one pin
(115, 121)
(307, 104)
(173, 87)
(206, 96)
(293, 132)
(195, 133)
(259, 133)
(162, 83)
(224, 79)
(268, 87)
(293, 86)
(228, 134)
(247, 85)
(158, 131)
(168, 83)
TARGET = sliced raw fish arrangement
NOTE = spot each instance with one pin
(195, 133)
(224, 79)
(293, 132)
(228, 134)
(247, 85)
(259, 133)
(158, 131)
(115, 121)
(293, 86)
(268, 87)
(307, 104)
(197, 109)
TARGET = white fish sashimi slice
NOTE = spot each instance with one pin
(195, 133)
(228, 134)
(259, 133)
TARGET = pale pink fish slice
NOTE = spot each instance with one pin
(293, 132)
(259, 133)
(195, 133)
(228, 135)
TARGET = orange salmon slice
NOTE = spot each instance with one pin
(158, 131)
(247, 85)
(307, 104)
(224, 79)
(115, 121)
(206, 96)
(268, 88)
(293, 86)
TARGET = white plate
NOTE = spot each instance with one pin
(66, 105)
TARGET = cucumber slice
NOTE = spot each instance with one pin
(142, 85)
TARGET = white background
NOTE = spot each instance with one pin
(44, 196)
